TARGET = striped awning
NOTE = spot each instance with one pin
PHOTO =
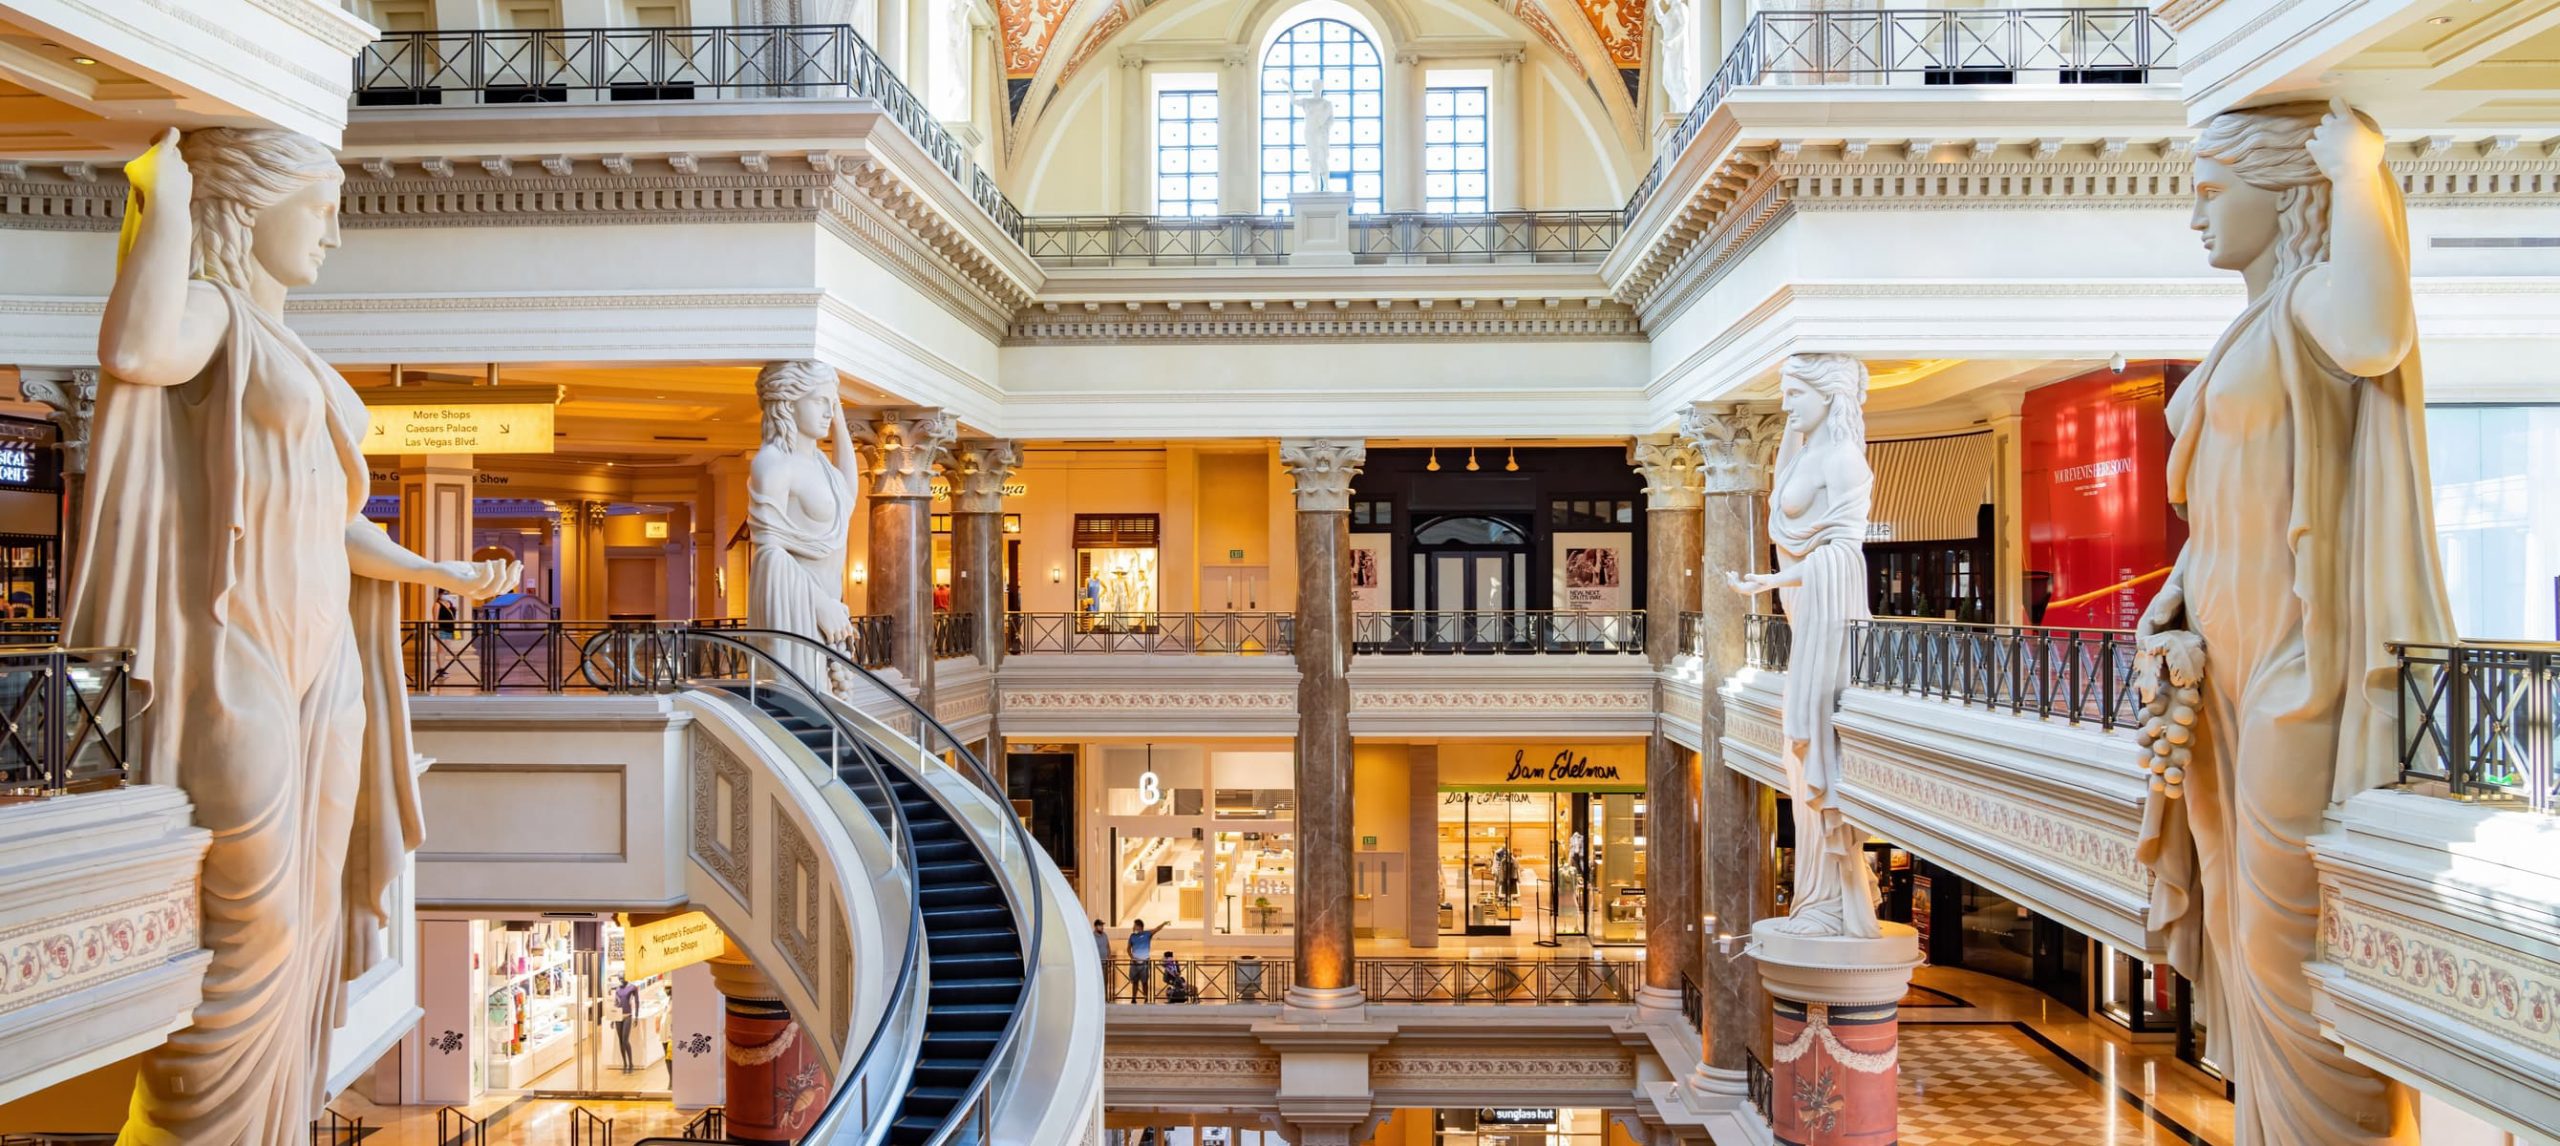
(1930, 489)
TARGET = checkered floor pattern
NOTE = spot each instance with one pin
(1991, 1085)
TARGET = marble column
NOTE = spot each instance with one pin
(773, 1072)
(69, 397)
(1673, 496)
(435, 518)
(1321, 470)
(1422, 919)
(901, 448)
(978, 471)
(1737, 445)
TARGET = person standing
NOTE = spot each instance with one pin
(1102, 948)
(1142, 945)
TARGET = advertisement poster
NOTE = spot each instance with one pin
(1593, 573)
(1372, 573)
(2094, 460)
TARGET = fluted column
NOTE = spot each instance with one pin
(1737, 446)
(900, 449)
(1669, 465)
(771, 1064)
(69, 396)
(978, 471)
(1322, 470)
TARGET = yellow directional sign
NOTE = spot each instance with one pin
(676, 941)
(460, 419)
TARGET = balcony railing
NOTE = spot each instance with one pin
(1693, 633)
(2479, 718)
(64, 728)
(954, 635)
(611, 65)
(485, 656)
(1171, 634)
(1518, 631)
(1403, 238)
(2077, 675)
(1517, 982)
(1929, 48)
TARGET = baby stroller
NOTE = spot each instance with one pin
(1177, 989)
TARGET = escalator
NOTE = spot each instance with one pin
(974, 949)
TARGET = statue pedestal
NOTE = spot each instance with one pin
(1323, 229)
(1834, 1027)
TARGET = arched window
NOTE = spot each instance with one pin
(1329, 56)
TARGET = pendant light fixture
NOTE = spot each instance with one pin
(1471, 459)
(1434, 465)
(1513, 465)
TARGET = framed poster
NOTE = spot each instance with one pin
(1372, 572)
(1592, 573)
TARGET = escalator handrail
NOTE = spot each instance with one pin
(1012, 1034)
(911, 960)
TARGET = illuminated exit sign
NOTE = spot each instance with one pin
(461, 420)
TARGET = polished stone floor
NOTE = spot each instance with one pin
(1994, 1063)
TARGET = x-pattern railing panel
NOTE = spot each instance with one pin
(2482, 718)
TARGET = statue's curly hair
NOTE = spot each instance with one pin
(239, 172)
(1841, 379)
(781, 384)
(2266, 148)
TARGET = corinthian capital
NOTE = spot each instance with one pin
(1737, 443)
(1323, 469)
(1669, 465)
(978, 470)
(70, 397)
(901, 447)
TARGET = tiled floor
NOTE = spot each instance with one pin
(1998, 1064)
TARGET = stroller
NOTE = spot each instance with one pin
(1177, 989)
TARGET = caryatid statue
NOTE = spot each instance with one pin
(2300, 465)
(800, 506)
(1818, 503)
(225, 543)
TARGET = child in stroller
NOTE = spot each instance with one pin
(1177, 989)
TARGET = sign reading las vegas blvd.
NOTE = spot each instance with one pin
(460, 420)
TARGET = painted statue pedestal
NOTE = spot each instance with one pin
(1834, 1029)
(1323, 229)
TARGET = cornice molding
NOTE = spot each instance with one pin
(1331, 321)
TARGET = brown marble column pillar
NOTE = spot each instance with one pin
(1737, 445)
(1322, 470)
(978, 471)
(772, 1068)
(900, 448)
(1673, 867)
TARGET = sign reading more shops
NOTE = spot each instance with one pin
(460, 420)
(677, 941)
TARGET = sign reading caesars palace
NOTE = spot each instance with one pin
(460, 428)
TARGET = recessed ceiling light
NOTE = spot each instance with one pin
(83, 61)
(2439, 21)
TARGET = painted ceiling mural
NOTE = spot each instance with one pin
(1103, 29)
(1620, 24)
(1029, 25)
(1535, 17)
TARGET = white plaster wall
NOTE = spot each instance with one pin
(517, 803)
(609, 257)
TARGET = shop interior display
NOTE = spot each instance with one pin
(1117, 588)
(1548, 864)
(1257, 882)
(531, 994)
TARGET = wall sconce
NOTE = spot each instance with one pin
(1512, 466)
(1434, 465)
(1057, 575)
(860, 574)
(1471, 459)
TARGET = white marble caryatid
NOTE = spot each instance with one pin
(800, 506)
(225, 543)
(1818, 524)
(1315, 112)
(2300, 465)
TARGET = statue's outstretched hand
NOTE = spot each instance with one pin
(1747, 584)
(481, 580)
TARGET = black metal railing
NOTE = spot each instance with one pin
(2077, 675)
(64, 728)
(1693, 1002)
(1511, 981)
(564, 65)
(1514, 631)
(1766, 640)
(1928, 47)
(494, 655)
(2483, 719)
(954, 635)
(711, 1125)
(30, 630)
(869, 644)
(1693, 633)
(456, 1128)
(335, 1129)
(1240, 634)
(1241, 979)
(1399, 239)
(1757, 1087)
(587, 1129)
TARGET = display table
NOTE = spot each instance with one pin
(541, 1056)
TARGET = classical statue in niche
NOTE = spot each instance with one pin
(1315, 111)
(225, 544)
(2300, 465)
(800, 514)
(1818, 523)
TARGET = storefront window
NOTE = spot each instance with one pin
(1205, 840)
(1550, 865)
(1116, 586)
(554, 1014)
(1521, 1126)
(1257, 883)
